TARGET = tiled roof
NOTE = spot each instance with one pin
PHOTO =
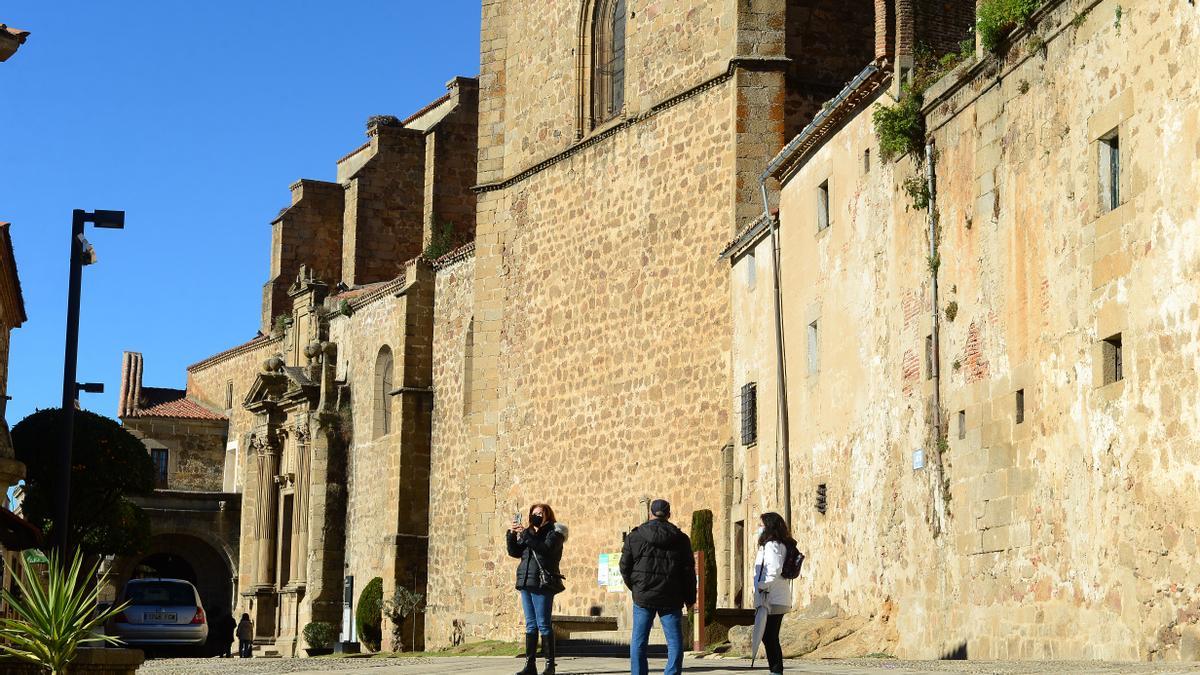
(183, 408)
(461, 253)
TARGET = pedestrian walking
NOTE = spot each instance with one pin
(658, 568)
(539, 546)
(245, 636)
(772, 585)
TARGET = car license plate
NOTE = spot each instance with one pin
(160, 617)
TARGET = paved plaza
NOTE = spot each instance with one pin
(504, 665)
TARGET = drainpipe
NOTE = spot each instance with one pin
(935, 361)
(783, 457)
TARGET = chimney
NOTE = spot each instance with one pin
(131, 384)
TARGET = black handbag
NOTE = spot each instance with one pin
(553, 582)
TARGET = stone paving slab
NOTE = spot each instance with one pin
(506, 665)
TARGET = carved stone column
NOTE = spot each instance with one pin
(299, 572)
(266, 456)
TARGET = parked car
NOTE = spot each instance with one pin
(161, 612)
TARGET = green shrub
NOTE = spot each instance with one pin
(702, 540)
(917, 190)
(319, 635)
(369, 615)
(900, 127)
(995, 18)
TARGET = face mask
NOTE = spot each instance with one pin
(758, 533)
(535, 520)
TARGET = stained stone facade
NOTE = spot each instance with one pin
(1000, 424)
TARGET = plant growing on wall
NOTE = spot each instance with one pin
(702, 540)
(917, 190)
(951, 310)
(369, 615)
(995, 18)
(900, 127)
(442, 240)
(398, 608)
(52, 617)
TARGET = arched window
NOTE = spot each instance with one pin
(608, 60)
(383, 392)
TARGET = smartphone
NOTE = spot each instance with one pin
(517, 518)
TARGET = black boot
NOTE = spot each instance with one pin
(548, 647)
(530, 655)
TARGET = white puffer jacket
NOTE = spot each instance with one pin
(769, 586)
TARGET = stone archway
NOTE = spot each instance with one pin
(191, 558)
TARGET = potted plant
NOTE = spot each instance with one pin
(319, 635)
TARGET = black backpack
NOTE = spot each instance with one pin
(792, 560)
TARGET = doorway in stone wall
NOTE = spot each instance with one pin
(739, 563)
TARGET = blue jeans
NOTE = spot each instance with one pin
(537, 607)
(672, 625)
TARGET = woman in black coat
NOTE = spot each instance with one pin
(539, 547)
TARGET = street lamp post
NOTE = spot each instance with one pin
(81, 254)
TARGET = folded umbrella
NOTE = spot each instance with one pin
(760, 626)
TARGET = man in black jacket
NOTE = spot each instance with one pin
(658, 568)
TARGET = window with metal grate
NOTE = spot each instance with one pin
(749, 413)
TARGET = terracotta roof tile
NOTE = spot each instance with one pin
(181, 408)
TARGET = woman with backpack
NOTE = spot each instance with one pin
(772, 587)
(539, 547)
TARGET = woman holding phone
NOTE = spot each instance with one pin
(539, 547)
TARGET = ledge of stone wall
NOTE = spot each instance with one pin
(96, 660)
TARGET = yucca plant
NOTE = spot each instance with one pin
(53, 619)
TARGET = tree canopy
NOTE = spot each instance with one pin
(109, 465)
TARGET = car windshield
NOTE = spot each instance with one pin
(160, 593)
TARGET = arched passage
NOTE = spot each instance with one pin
(187, 557)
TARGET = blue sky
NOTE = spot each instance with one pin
(193, 117)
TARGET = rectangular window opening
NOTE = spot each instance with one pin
(962, 424)
(1020, 404)
(823, 206)
(160, 458)
(1110, 170)
(749, 413)
(821, 499)
(1114, 359)
(813, 347)
(229, 395)
(867, 160)
(751, 270)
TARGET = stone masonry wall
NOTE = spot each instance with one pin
(1068, 533)
(196, 450)
(450, 152)
(454, 474)
(609, 365)
(308, 232)
(383, 220)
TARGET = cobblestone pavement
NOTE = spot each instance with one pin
(504, 665)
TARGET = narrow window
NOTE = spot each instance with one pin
(608, 60)
(1020, 403)
(813, 346)
(962, 424)
(821, 499)
(929, 357)
(468, 381)
(751, 270)
(229, 395)
(1114, 368)
(1110, 171)
(822, 206)
(749, 413)
(383, 392)
(867, 160)
(160, 458)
